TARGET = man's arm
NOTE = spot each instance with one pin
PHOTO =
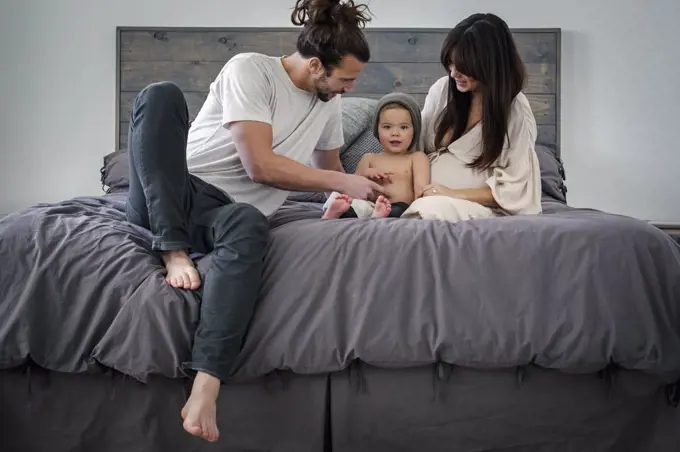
(253, 142)
(327, 160)
(245, 94)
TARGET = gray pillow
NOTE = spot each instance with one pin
(357, 115)
(552, 174)
(115, 172)
(366, 143)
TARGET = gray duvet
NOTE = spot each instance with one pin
(575, 290)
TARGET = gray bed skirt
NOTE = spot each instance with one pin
(430, 408)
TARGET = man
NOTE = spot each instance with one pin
(211, 186)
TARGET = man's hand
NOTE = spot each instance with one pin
(360, 187)
(378, 176)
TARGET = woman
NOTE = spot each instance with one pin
(479, 130)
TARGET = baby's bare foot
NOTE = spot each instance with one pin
(182, 273)
(200, 412)
(382, 207)
(340, 205)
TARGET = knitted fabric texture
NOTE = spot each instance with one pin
(410, 104)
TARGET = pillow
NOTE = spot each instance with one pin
(357, 116)
(366, 143)
(552, 174)
(115, 173)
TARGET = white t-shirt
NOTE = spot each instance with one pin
(256, 87)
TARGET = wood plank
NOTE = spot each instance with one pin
(377, 77)
(395, 46)
(204, 46)
(541, 78)
(123, 134)
(386, 46)
(537, 47)
(547, 135)
(414, 78)
(419, 97)
(544, 107)
(424, 47)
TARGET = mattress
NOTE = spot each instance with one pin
(380, 334)
(363, 408)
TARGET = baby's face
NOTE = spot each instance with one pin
(395, 130)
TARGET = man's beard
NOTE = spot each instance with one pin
(323, 96)
(322, 93)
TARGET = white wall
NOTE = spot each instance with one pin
(620, 88)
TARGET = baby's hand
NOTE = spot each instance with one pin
(378, 176)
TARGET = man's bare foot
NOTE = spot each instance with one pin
(182, 273)
(200, 412)
(382, 207)
(340, 205)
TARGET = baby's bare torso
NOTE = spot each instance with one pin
(400, 189)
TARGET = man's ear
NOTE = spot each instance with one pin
(315, 66)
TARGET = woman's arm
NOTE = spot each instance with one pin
(482, 196)
(514, 183)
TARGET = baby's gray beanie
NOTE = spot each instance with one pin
(410, 104)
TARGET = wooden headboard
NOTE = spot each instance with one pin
(401, 60)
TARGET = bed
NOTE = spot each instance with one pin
(551, 333)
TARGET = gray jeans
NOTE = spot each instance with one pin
(183, 212)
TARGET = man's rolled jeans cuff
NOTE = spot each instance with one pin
(190, 369)
(159, 244)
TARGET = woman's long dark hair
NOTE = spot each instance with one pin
(481, 47)
(331, 30)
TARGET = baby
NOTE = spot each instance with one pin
(400, 169)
